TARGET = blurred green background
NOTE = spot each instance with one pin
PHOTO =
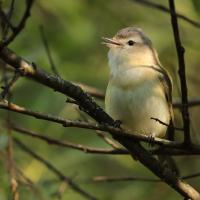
(74, 29)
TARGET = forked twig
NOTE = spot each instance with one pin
(19, 27)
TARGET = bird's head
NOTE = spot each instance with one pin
(130, 46)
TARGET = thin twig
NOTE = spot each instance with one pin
(191, 103)
(101, 134)
(181, 62)
(192, 150)
(61, 190)
(69, 100)
(11, 168)
(191, 176)
(48, 52)
(167, 10)
(19, 27)
(10, 12)
(51, 141)
(6, 21)
(9, 85)
(61, 176)
(108, 140)
(134, 178)
(165, 124)
(23, 180)
(128, 178)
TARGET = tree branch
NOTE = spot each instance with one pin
(134, 178)
(128, 178)
(181, 62)
(107, 139)
(6, 20)
(61, 176)
(165, 124)
(191, 103)
(19, 27)
(167, 10)
(9, 85)
(11, 169)
(51, 141)
(48, 52)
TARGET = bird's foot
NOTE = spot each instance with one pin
(151, 140)
(117, 123)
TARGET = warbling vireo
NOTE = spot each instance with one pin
(139, 89)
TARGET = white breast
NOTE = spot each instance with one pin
(136, 95)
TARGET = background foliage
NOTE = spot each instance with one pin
(74, 29)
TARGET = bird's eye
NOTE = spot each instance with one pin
(131, 42)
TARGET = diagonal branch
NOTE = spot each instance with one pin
(181, 62)
(107, 139)
(48, 52)
(167, 10)
(51, 141)
(61, 176)
(87, 104)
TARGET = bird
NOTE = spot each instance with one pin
(139, 90)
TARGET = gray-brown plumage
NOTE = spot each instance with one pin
(139, 88)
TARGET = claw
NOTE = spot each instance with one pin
(151, 140)
(117, 123)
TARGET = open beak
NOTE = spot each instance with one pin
(108, 41)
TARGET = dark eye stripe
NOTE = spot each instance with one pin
(131, 42)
